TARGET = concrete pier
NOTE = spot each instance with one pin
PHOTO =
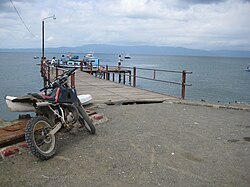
(164, 144)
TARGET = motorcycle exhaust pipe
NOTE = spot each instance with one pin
(41, 104)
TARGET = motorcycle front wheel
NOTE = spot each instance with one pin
(86, 121)
(41, 143)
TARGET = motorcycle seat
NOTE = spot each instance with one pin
(43, 96)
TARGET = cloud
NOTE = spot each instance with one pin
(212, 24)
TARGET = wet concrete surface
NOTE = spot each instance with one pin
(145, 145)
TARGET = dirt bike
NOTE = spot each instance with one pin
(60, 108)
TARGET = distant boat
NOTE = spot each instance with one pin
(90, 59)
(248, 68)
(127, 56)
(36, 57)
(74, 61)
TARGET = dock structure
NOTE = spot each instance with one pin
(102, 91)
(105, 90)
(108, 92)
(125, 75)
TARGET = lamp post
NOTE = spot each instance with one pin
(42, 62)
(54, 17)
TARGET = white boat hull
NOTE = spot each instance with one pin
(18, 107)
(85, 99)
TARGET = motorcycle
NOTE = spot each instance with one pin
(60, 108)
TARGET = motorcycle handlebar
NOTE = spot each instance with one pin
(57, 80)
(70, 72)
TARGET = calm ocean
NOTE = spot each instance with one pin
(213, 79)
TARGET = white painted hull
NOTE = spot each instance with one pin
(85, 99)
(18, 107)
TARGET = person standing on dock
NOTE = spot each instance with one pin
(119, 61)
(119, 66)
(53, 61)
(63, 59)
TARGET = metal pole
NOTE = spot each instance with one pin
(42, 45)
(43, 40)
(183, 84)
(43, 60)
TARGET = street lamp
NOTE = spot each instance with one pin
(54, 17)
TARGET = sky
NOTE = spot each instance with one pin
(197, 24)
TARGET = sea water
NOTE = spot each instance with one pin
(213, 79)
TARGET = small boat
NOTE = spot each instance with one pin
(90, 59)
(36, 57)
(70, 64)
(18, 107)
(127, 56)
(85, 99)
(75, 62)
(248, 68)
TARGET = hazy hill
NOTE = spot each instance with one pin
(154, 50)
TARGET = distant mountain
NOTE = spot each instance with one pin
(154, 50)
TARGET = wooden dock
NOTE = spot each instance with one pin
(108, 92)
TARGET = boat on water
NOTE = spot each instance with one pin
(89, 59)
(248, 68)
(85, 99)
(75, 62)
(36, 57)
(127, 56)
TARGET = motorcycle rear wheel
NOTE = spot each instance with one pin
(42, 145)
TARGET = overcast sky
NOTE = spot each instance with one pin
(198, 24)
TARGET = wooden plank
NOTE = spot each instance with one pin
(12, 134)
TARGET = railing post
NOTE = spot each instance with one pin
(48, 74)
(134, 78)
(119, 73)
(107, 72)
(73, 80)
(41, 67)
(56, 71)
(124, 78)
(130, 77)
(183, 84)
(81, 63)
(154, 74)
(91, 68)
